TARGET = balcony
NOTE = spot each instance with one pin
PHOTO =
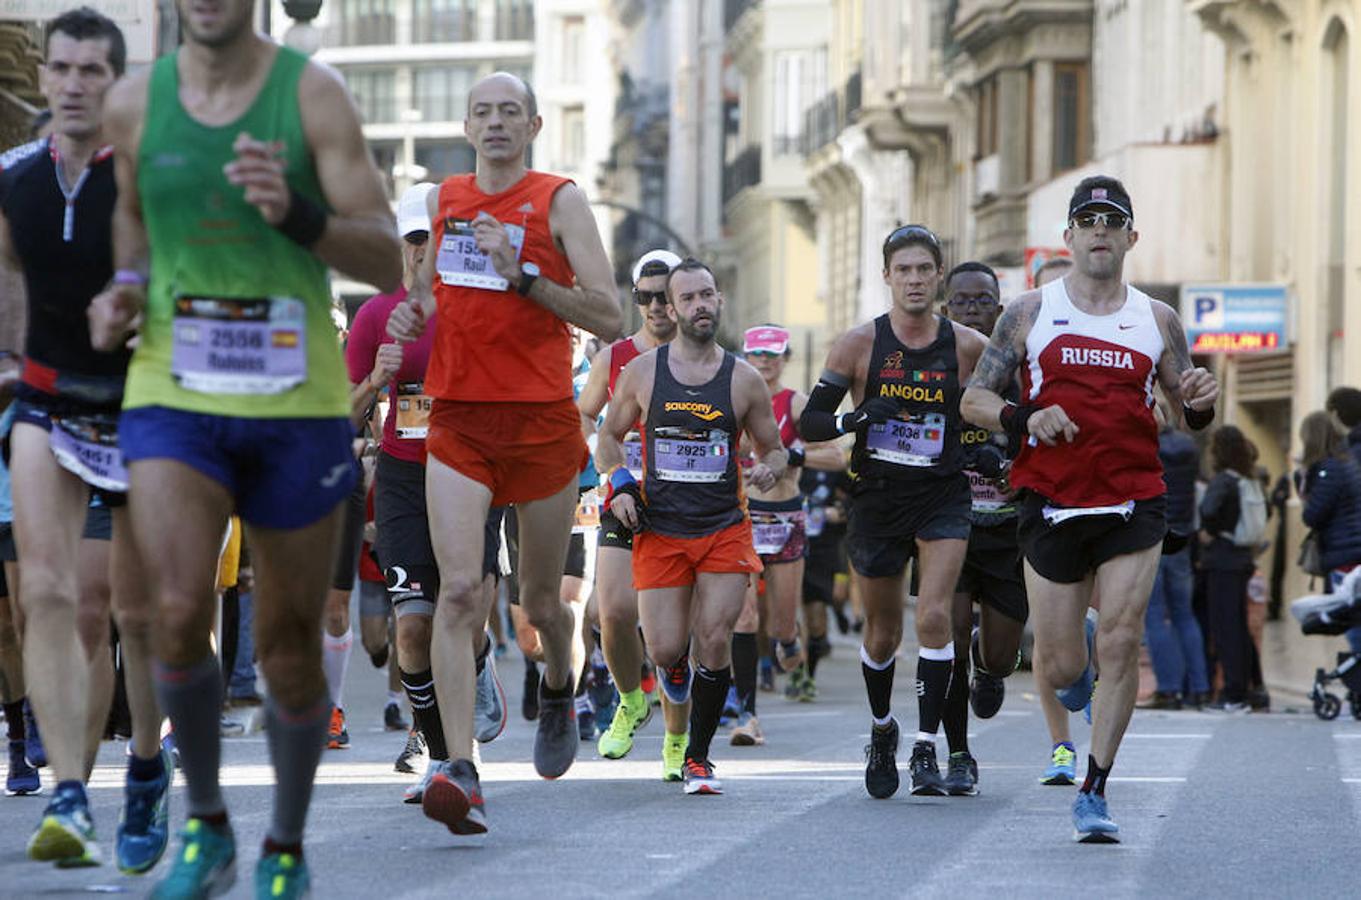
(743, 172)
(825, 119)
(732, 11)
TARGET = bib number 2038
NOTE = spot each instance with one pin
(239, 346)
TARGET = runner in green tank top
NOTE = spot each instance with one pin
(242, 174)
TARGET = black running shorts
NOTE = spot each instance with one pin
(889, 517)
(992, 571)
(351, 540)
(1068, 552)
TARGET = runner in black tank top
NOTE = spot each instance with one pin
(693, 553)
(910, 496)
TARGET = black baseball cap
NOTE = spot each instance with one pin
(1100, 191)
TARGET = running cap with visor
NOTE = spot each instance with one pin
(765, 339)
(1100, 192)
(654, 262)
(413, 214)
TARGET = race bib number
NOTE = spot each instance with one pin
(460, 262)
(1057, 515)
(239, 346)
(770, 532)
(701, 458)
(413, 411)
(588, 513)
(87, 446)
(917, 442)
(633, 455)
(987, 498)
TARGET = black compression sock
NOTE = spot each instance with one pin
(744, 669)
(933, 683)
(878, 683)
(707, 694)
(956, 717)
(1095, 782)
(420, 692)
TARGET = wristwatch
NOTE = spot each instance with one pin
(529, 273)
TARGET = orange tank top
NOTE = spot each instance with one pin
(491, 344)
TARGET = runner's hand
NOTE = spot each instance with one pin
(386, 363)
(874, 411)
(625, 509)
(493, 240)
(1050, 424)
(1199, 390)
(260, 171)
(115, 316)
(761, 477)
(406, 322)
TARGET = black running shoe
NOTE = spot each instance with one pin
(986, 690)
(529, 703)
(961, 778)
(881, 761)
(926, 780)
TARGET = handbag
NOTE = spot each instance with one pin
(1311, 557)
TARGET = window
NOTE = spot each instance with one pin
(515, 20)
(987, 118)
(441, 92)
(1072, 117)
(800, 81)
(444, 21)
(573, 136)
(573, 47)
(444, 158)
(374, 92)
(362, 22)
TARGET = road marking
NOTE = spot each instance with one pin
(1351, 781)
(1171, 735)
(1349, 736)
(1149, 779)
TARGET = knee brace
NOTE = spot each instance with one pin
(413, 589)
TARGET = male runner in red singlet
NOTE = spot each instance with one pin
(1089, 348)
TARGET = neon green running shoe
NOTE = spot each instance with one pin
(617, 740)
(205, 865)
(281, 876)
(673, 756)
(66, 833)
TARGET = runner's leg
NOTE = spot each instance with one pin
(93, 623)
(1124, 584)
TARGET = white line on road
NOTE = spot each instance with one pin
(1171, 735)
(1149, 779)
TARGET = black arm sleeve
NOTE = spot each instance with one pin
(819, 419)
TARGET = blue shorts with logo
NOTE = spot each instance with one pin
(283, 473)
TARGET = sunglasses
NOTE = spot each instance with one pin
(417, 238)
(966, 302)
(1106, 220)
(764, 354)
(647, 298)
(915, 231)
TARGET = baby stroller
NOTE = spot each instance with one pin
(1334, 614)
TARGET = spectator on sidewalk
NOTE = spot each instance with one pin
(1175, 643)
(1227, 558)
(1332, 500)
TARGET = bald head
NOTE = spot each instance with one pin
(494, 87)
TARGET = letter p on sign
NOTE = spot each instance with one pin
(1208, 308)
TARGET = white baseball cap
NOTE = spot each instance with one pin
(670, 259)
(412, 212)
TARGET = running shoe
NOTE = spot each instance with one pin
(617, 740)
(529, 701)
(881, 761)
(34, 751)
(732, 706)
(676, 680)
(281, 876)
(415, 791)
(604, 697)
(1062, 766)
(961, 775)
(1078, 694)
(699, 777)
(747, 731)
(787, 656)
(489, 710)
(337, 736)
(986, 690)
(392, 717)
(230, 728)
(585, 719)
(1091, 822)
(408, 760)
(809, 691)
(649, 679)
(556, 740)
(66, 834)
(1163, 700)
(144, 826)
(22, 779)
(926, 780)
(205, 867)
(673, 756)
(794, 688)
(765, 678)
(454, 798)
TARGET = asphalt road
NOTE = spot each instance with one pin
(1209, 805)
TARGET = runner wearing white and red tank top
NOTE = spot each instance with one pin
(1089, 348)
(616, 600)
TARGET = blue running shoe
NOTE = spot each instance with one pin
(676, 680)
(205, 866)
(33, 740)
(22, 779)
(1091, 823)
(1062, 766)
(144, 828)
(732, 707)
(281, 876)
(1076, 695)
(66, 834)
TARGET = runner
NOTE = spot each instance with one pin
(616, 597)
(828, 496)
(337, 638)
(242, 174)
(905, 371)
(21, 778)
(992, 567)
(693, 556)
(779, 530)
(518, 259)
(1089, 348)
(57, 196)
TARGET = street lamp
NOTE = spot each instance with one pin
(302, 35)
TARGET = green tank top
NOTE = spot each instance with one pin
(238, 318)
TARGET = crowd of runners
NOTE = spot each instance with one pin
(670, 522)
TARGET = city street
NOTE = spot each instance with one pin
(1209, 805)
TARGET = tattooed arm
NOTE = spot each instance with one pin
(1188, 387)
(995, 370)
